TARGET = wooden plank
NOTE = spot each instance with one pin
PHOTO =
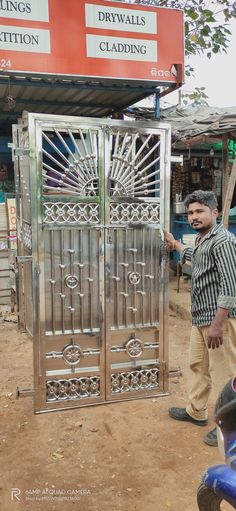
(229, 195)
(225, 170)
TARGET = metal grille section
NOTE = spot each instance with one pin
(135, 165)
(70, 162)
(61, 213)
(134, 381)
(134, 213)
(71, 389)
(94, 200)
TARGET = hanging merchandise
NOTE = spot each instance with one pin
(3, 172)
(178, 180)
(195, 177)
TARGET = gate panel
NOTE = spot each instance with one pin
(133, 312)
(24, 230)
(134, 277)
(74, 354)
(134, 250)
(71, 273)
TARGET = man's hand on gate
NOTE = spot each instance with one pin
(170, 240)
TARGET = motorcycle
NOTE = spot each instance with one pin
(218, 483)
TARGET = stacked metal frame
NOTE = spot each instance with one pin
(92, 202)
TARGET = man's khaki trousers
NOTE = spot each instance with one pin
(210, 368)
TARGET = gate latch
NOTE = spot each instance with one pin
(172, 373)
(18, 151)
(23, 259)
(23, 392)
(109, 239)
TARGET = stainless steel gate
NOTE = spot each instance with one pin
(92, 199)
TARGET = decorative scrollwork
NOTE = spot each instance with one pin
(134, 380)
(72, 354)
(134, 213)
(116, 188)
(74, 388)
(61, 213)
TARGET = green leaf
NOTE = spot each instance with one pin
(206, 30)
(192, 14)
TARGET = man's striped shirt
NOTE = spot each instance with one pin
(214, 274)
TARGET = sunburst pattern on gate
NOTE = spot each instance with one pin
(70, 163)
(135, 165)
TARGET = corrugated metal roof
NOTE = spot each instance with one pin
(193, 124)
(64, 96)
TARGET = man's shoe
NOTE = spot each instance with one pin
(211, 438)
(180, 414)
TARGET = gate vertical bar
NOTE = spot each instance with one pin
(164, 275)
(37, 256)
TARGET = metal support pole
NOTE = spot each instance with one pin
(157, 104)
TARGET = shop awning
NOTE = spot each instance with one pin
(64, 97)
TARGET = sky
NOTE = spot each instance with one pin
(217, 75)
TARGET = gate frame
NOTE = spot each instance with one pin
(35, 123)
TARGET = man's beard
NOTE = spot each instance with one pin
(201, 228)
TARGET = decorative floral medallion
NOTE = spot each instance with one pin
(71, 281)
(134, 278)
(134, 347)
(72, 354)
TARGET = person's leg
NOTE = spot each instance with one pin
(200, 382)
(222, 367)
(200, 378)
(222, 360)
(207, 366)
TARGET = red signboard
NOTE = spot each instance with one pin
(92, 39)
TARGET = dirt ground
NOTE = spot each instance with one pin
(121, 456)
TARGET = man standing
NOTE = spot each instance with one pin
(213, 306)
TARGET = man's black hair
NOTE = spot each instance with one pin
(207, 198)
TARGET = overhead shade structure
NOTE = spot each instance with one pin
(89, 58)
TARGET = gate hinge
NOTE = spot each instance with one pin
(21, 151)
(18, 151)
